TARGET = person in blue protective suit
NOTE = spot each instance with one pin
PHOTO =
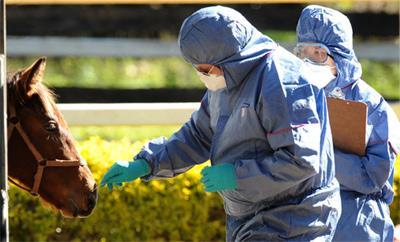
(325, 43)
(262, 125)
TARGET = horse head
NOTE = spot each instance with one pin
(42, 157)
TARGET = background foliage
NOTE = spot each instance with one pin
(171, 72)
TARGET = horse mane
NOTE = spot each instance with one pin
(46, 96)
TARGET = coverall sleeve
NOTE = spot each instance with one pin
(368, 174)
(187, 147)
(294, 132)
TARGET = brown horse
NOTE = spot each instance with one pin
(42, 157)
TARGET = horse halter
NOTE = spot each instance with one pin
(14, 123)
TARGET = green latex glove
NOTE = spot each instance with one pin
(219, 177)
(125, 171)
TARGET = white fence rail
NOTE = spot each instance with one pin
(126, 47)
(83, 114)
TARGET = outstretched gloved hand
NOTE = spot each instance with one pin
(125, 171)
(219, 177)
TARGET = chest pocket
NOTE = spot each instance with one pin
(244, 121)
(302, 105)
(242, 135)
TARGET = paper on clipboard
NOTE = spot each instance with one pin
(348, 121)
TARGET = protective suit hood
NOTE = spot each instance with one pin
(333, 29)
(221, 36)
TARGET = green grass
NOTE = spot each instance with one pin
(383, 76)
(281, 36)
(114, 72)
(171, 72)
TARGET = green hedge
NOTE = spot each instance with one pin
(174, 209)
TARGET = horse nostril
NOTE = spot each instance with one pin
(91, 202)
(92, 199)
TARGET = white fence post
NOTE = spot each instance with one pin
(3, 123)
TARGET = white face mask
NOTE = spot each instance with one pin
(321, 74)
(212, 81)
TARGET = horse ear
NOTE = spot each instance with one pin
(33, 75)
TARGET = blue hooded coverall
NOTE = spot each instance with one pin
(269, 122)
(365, 182)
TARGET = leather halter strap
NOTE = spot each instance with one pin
(13, 123)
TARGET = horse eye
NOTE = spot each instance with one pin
(51, 126)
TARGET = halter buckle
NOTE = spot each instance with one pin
(13, 120)
(42, 163)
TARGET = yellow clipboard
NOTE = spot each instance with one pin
(348, 120)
